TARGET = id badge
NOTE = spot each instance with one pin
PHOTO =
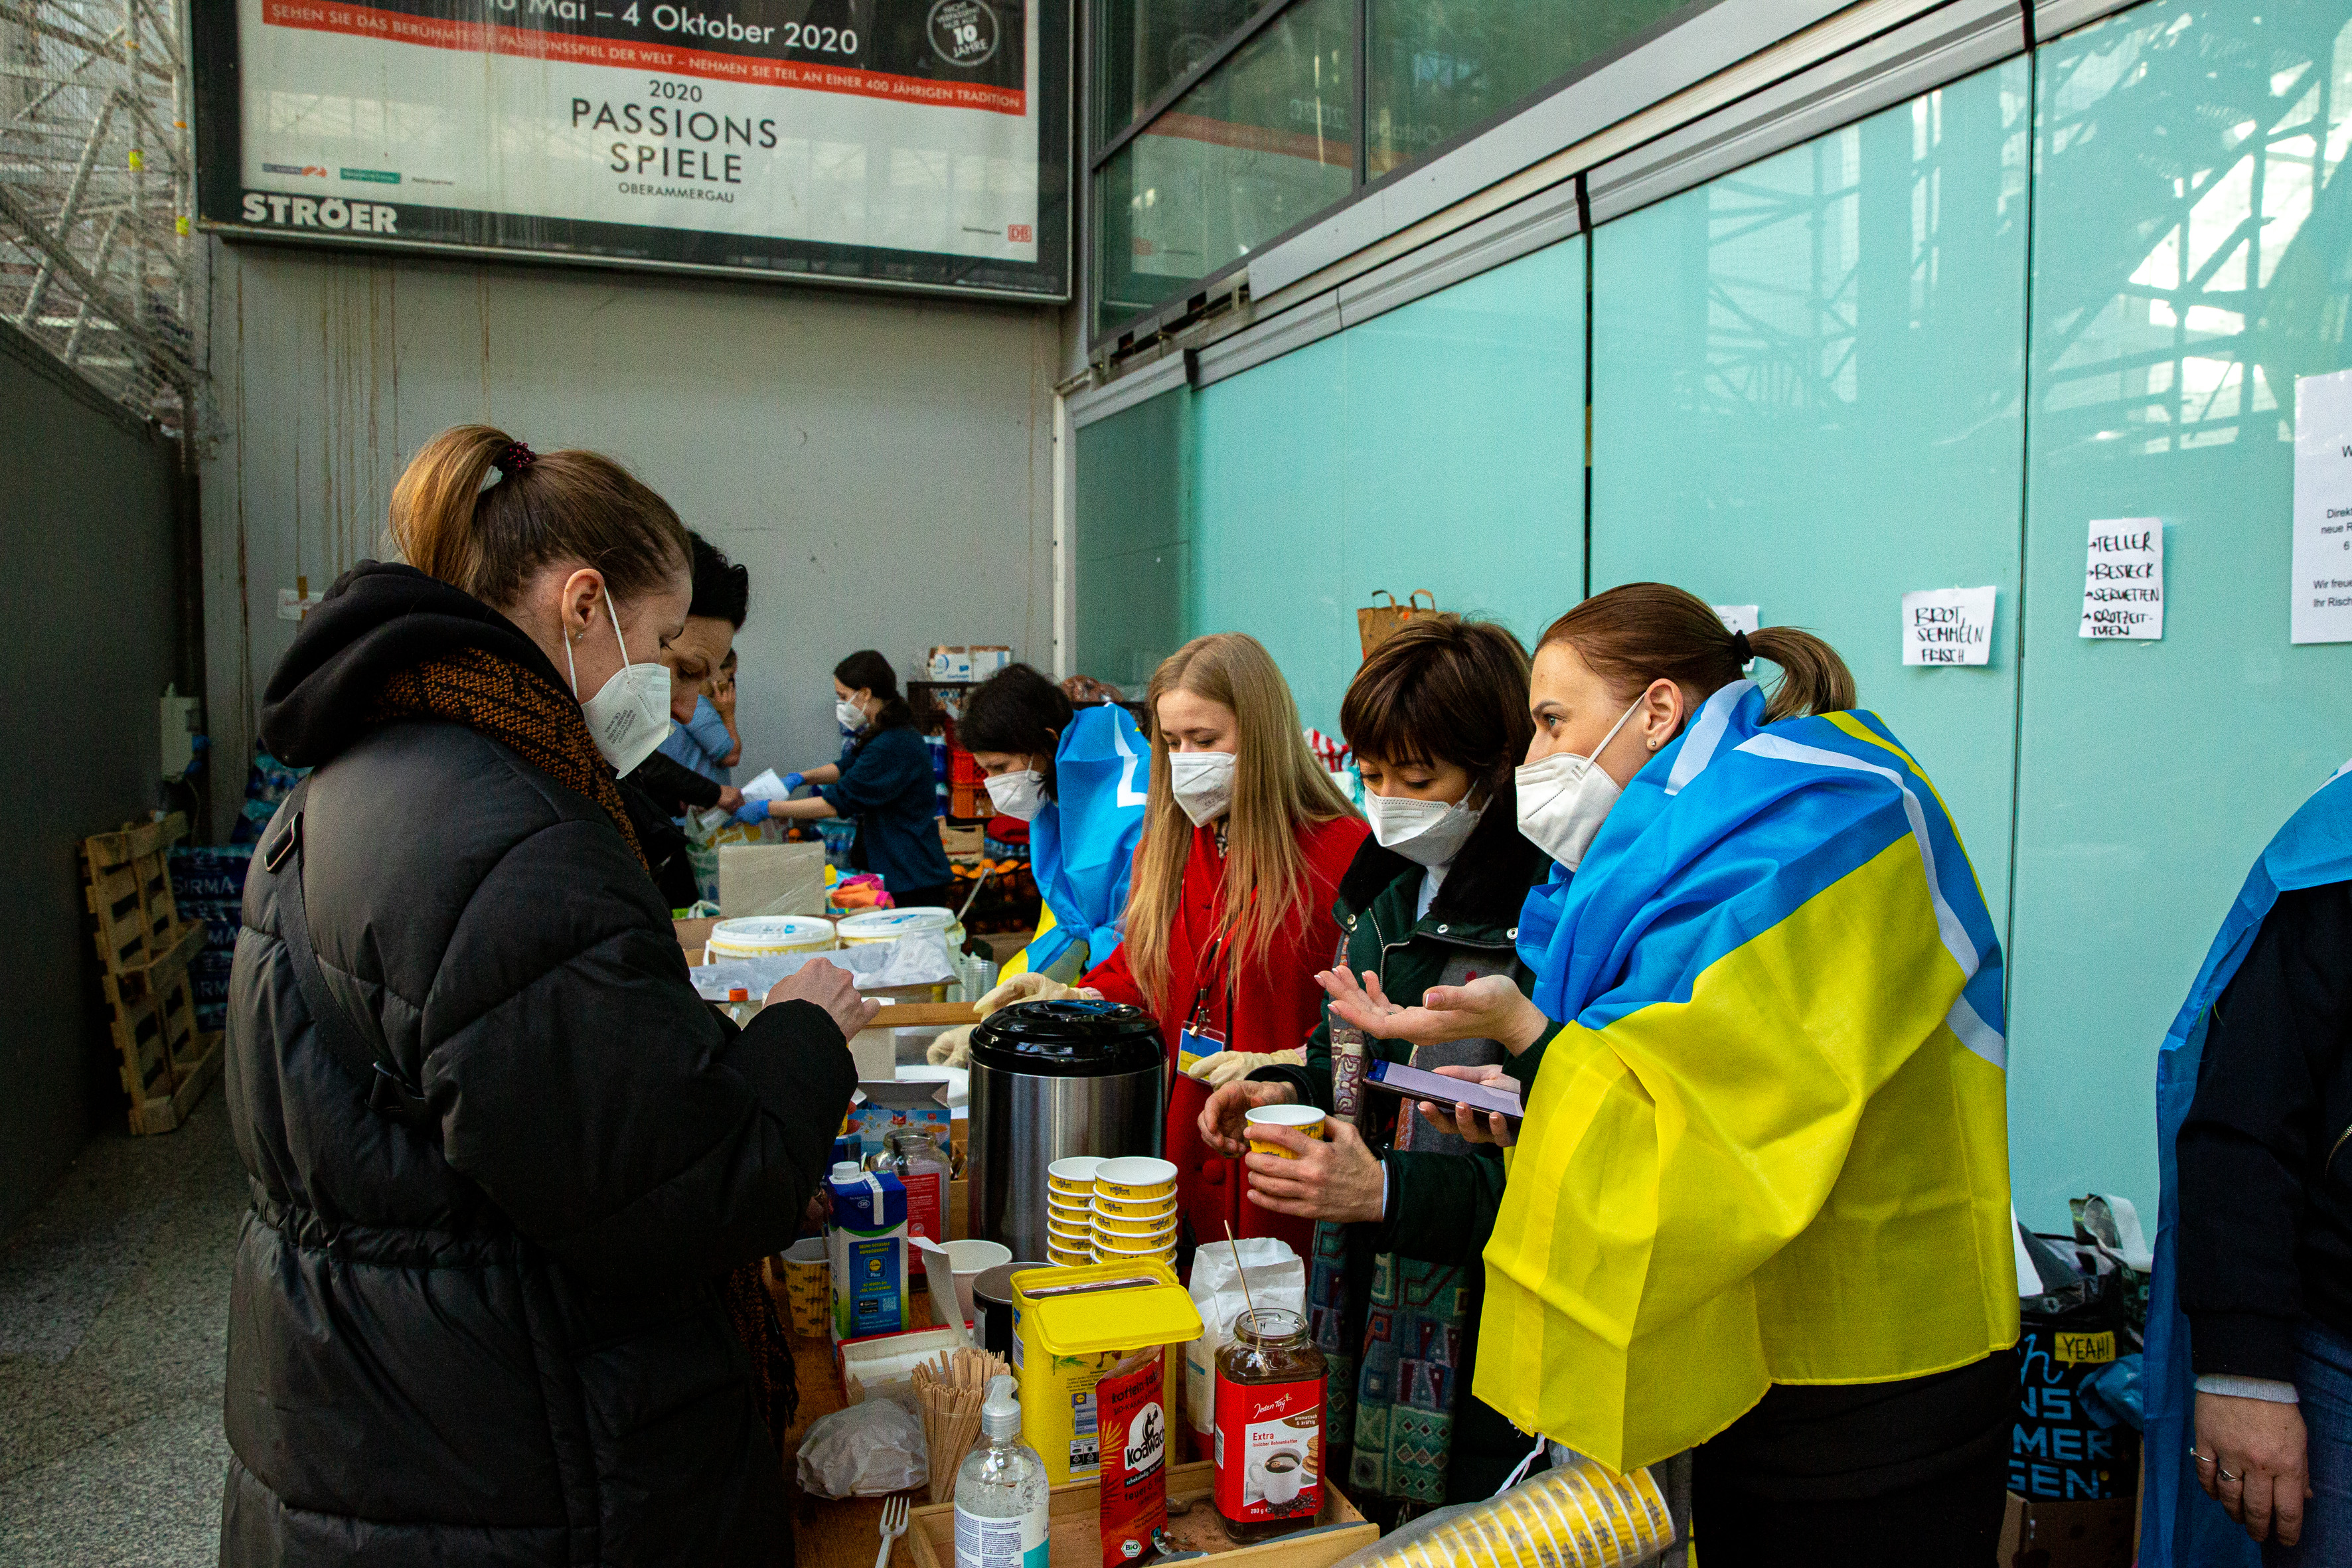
(1193, 1043)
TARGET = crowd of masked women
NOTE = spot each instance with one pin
(496, 1297)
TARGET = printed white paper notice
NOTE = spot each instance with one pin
(767, 786)
(1947, 626)
(1738, 617)
(2323, 509)
(2123, 579)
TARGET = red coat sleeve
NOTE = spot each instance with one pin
(1114, 980)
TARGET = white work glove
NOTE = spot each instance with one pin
(953, 1049)
(1030, 987)
(1219, 1068)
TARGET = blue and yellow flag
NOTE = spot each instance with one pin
(1770, 1142)
(1082, 846)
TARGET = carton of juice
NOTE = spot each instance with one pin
(1071, 1327)
(867, 1248)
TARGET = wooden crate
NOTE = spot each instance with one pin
(144, 950)
(1074, 1534)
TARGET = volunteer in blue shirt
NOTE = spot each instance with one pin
(884, 779)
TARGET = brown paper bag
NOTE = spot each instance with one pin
(1376, 624)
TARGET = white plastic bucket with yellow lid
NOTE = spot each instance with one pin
(769, 936)
(889, 925)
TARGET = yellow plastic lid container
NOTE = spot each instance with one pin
(766, 936)
(1082, 1322)
(889, 925)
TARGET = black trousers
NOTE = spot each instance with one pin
(1858, 1477)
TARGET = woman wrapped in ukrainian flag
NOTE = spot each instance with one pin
(1760, 1202)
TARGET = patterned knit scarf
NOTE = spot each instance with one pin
(540, 723)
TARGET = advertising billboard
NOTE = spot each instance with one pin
(920, 144)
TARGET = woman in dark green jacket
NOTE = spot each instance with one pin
(1437, 718)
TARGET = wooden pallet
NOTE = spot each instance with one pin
(144, 950)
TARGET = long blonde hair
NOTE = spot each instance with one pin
(1279, 787)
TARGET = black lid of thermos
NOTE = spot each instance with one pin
(1070, 1039)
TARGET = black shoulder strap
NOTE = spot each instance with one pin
(389, 1093)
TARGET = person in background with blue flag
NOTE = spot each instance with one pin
(1759, 1203)
(2251, 1308)
(1079, 778)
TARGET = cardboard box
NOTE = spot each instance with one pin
(770, 880)
(890, 1106)
(1074, 1535)
(966, 661)
(2043, 1533)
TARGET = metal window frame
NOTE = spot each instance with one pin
(1189, 302)
(1679, 111)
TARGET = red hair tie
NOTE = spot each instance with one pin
(513, 459)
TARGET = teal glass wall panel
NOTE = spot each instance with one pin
(1439, 446)
(1268, 525)
(2192, 226)
(1807, 394)
(1129, 550)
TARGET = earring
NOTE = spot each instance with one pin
(1654, 745)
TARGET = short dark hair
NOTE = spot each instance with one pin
(867, 670)
(1442, 691)
(1016, 709)
(722, 590)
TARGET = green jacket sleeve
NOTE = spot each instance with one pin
(1524, 1067)
(1441, 1206)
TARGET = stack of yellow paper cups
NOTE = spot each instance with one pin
(1578, 1516)
(1134, 1211)
(1070, 1210)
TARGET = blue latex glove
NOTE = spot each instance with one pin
(751, 811)
(793, 781)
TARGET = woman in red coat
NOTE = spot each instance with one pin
(1229, 915)
(1229, 911)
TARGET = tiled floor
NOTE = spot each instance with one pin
(113, 1317)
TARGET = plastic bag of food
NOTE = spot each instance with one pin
(1129, 1405)
(1277, 1277)
(1580, 1514)
(870, 1449)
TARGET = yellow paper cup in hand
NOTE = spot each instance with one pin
(1300, 1118)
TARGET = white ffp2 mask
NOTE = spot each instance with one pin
(1563, 799)
(851, 716)
(629, 715)
(1426, 832)
(1204, 783)
(1021, 795)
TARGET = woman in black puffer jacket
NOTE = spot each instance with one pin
(494, 1302)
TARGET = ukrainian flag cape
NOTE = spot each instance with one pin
(1082, 846)
(1769, 1144)
(2180, 1523)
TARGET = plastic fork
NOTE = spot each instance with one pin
(894, 1525)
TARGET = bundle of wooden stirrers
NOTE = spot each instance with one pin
(952, 1392)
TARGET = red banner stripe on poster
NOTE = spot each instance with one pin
(368, 22)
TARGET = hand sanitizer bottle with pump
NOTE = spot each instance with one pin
(1001, 1492)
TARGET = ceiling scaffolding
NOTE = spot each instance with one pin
(98, 253)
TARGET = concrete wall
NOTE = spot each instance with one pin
(883, 464)
(90, 638)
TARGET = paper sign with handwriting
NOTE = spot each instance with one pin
(2322, 602)
(2123, 579)
(1947, 626)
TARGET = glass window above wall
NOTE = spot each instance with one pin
(1143, 47)
(1436, 67)
(1262, 144)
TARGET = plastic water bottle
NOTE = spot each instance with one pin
(1001, 1492)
